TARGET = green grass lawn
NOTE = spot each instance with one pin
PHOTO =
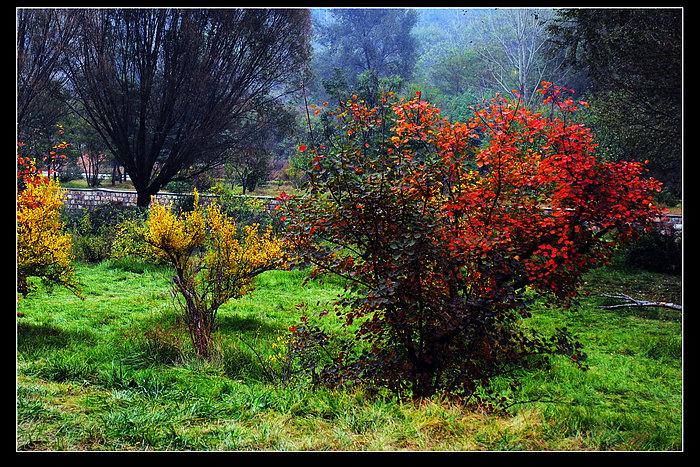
(113, 372)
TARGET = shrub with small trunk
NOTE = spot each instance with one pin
(444, 232)
(214, 261)
(43, 248)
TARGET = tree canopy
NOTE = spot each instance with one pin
(357, 45)
(634, 60)
(173, 92)
(168, 88)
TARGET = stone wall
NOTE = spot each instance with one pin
(92, 197)
(78, 198)
(671, 223)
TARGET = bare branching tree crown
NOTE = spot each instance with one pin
(168, 88)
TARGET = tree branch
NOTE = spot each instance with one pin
(632, 302)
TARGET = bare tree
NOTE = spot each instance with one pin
(91, 158)
(42, 36)
(167, 88)
(514, 42)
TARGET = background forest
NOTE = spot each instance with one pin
(456, 58)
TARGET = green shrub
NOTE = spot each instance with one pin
(655, 252)
(94, 231)
(244, 209)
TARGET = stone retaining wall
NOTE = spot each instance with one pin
(78, 198)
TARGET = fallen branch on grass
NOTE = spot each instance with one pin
(633, 302)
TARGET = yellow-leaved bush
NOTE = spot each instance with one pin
(43, 249)
(214, 260)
